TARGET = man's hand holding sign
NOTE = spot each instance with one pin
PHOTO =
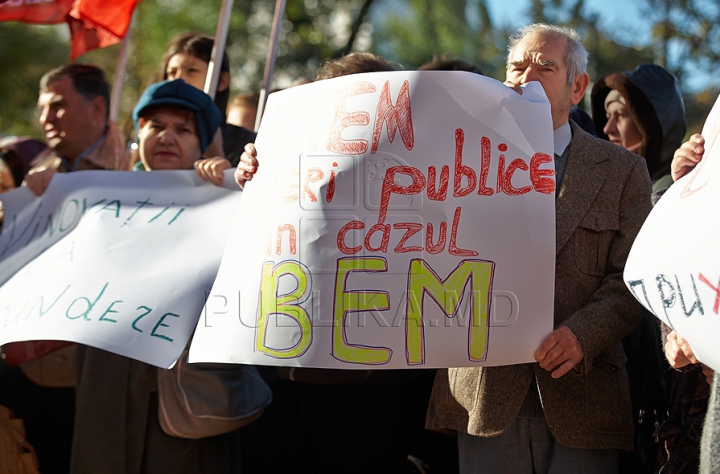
(575, 400)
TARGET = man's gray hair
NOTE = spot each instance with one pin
(576, 56)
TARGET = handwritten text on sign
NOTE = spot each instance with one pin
(397, 220)
(674, 266)
(118, 261)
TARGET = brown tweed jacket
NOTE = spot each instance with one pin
(602, 202)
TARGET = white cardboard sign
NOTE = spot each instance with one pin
(117, 260)
(397, 220)
(674, 266)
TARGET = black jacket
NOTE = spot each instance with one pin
(655, 102)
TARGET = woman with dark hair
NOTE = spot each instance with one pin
(188, 57)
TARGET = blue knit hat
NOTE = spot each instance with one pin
(183, 95)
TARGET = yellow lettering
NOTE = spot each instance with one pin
(288, 305)
(357, 301)
(448, 294)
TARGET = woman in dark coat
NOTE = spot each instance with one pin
(643, 111)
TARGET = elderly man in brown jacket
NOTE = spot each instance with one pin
(570, 411)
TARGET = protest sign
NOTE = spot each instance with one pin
(401, 219)
(674, 266)
(116, 260)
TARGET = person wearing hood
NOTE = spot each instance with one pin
(642, 111)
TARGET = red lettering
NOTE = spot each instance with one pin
(290, 187)
(397, 117)
(440, 193)
(412, 229)
(501, 175)
(385, 229)
(313, 176)
(462, 170)
(540, 182)
(484, 167)
(440, 246)
(290, 229)
(352, 225)
(453, 249)
(344, 119)
(389, 187)
(686, 192)
(716, 290)
(331, 186)
(511, 190)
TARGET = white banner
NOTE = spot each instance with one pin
(397, 220)
(117, 260)
(674, 266)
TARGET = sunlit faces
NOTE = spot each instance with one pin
(69, 120)
(620, 127)
(168, 139)
(541, 57)
(188, 68)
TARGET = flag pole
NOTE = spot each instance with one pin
(213, 74)
(119, 79)
(270, 60)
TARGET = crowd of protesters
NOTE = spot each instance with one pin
(611, 389)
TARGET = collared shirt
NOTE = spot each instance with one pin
(93, 147)
(561, 137)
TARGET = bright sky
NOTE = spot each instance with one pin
(623, 19)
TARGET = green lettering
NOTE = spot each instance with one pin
(161, 325)
(89, 308)
(85, 208)
(73, 221)
(161, 212)
(140, 317)
(41, 301)
(353, 302)
(289, 305)
(107, 207)
(447, 294)
(110, 310)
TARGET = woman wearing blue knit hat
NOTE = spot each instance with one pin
(117, 428)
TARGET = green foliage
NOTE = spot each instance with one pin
(409, 32)
(26, 52)
(417, 30)
(686, 34)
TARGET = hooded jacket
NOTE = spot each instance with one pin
(655, 103)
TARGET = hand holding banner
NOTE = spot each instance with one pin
(398, 220)
(116, 260)
(673, 266)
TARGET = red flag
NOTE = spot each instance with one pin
(98, 23)
(93, 23)
(27, 11)
(113, 16)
